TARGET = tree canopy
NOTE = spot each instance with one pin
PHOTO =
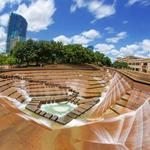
(120, 65)
(50, 52)
(7, 60)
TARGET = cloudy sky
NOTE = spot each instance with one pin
(114, 27)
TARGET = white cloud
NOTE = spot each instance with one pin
(140, 49)
(4, 19)
(83, 38)
(117, 37)
(146, 45)
(129, 49)
(62, 39)
(86, 37)
(100, 10)
(91, 34)
(78, 4)
(80, 39)
(72, 8)
(114, 52)
(103, 47)
(107, 49)
(142, 2)
(38, 14)
(2, 39)
(95, 7)
(109, 30)
(131, 2)
(3, 3)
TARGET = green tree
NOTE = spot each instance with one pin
(3, 59)
(120, 65)
(51, 52)
(106, 61)
(11, 60)
(99, 58)
(24, 51)
(7, 60)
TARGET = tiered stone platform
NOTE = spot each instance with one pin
(112, 110)
(80, 85)
(129, 102)
(7, 88)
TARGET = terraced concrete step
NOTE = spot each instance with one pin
(36, 105)
(9, 91)
(85, 106)
(21, 99)
(81, 110)
(54, 118)
(120, 110)
(31, 108)
(38, 111)
(64, 120)
(5, 87)
(48, 115)
(72, 115)
(109, 114)
(6, 83)
(56, 97)
(76, 100)
(34, 102)
(2, 80)
(122, 103)
(43, 89)
(42, 113)
(46, 94)
(15, 95)
(114, 111)
(90, 101)
(125, 97)
(76, 112)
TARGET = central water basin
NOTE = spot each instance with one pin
(59, 109)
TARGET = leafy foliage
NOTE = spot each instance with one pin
(7, 60)
(120, 65)
(51, 52)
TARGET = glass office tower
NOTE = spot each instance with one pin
(17, 28)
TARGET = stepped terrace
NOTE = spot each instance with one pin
(68, 107)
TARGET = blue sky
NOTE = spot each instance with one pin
(114, 27)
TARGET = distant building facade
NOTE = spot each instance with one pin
(17, 28)
(136, 63)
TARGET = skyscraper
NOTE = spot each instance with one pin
(17, 28)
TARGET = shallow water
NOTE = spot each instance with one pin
(59, 109)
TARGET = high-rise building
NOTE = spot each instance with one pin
(17, 28)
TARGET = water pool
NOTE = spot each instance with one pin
(59, 109)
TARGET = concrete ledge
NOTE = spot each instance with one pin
(64, 120)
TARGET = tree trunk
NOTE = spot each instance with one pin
(37, 62)
(27, 63)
